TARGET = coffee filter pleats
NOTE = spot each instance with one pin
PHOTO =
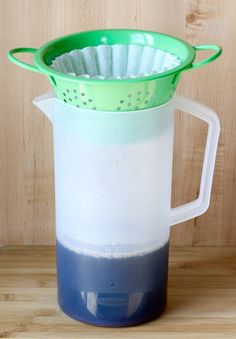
(115, 62)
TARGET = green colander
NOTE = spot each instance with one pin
(139, 91)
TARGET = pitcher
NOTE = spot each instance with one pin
(113, 173)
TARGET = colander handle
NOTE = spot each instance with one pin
(217, 49)
(20, 63)
(201, 204)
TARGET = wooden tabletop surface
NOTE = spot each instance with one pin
(201, 298)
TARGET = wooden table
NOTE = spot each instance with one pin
(201, 303)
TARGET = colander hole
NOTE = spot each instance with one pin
(94, 108)
(90, 100)
(146, 101)
(78, 106)
(136, 107)
(83, 94)
(129, 104)
(74, 90)
(122, 101)
(65, 100)
(138, 99)
(64, 94)
(70, 99)
(68, 90)
(76, 97)
(129, 95)
(118, 108)
(84, 103)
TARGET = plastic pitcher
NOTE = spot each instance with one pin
(113, 142)
(113, 173)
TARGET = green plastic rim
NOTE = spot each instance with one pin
(180, 48)
(45, 54)
(102, 94)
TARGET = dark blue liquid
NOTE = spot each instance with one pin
(112, 291)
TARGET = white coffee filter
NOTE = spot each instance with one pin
(115, 62)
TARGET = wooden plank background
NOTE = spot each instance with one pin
(26, 151)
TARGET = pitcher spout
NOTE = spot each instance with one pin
(46, 103)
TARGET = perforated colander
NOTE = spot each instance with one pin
(115, 70)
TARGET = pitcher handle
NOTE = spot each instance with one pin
(201, 204)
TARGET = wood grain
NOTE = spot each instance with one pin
(26, 166)
(201, 297)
